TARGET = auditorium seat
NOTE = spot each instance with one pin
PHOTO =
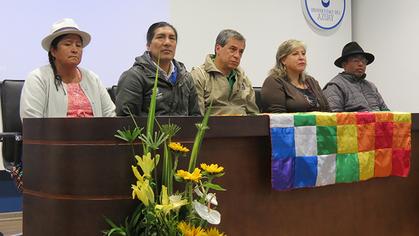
(258, 97)
(11, 137)
(112, 92)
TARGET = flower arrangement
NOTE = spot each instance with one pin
(161, 209)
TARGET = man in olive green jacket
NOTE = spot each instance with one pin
(221, 81)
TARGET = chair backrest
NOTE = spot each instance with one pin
(10, 103)
(258, 97)
(112, 92)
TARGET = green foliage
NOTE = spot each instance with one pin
(160, 211)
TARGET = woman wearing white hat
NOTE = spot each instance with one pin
(62, 88)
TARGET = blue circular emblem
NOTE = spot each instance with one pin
(324, 14)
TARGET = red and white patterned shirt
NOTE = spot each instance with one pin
(78, 103)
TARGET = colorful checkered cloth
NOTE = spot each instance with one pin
(319, 148)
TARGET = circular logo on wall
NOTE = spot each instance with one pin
(324, 14)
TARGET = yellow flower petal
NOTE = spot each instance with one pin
(177, 147)
(177, 201)
(143, 191)
(183, 227)
(212, 169)
(164, 195)
(134, 191)
(196, 175)
(182, 174)
(190, 230)
(137, 173)
(214, 232)
(148, 191)
(147, 163)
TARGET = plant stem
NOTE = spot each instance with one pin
(198, 139)
(155, 173)
(152, 109)
(190, 197)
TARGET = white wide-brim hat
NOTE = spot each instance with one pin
(64, 26)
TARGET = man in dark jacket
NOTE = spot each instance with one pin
(176, 94)
(349, 90)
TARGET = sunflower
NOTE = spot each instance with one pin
(190, 230)
(194, 176)
(177, 147)
(212, 169)
(214, 232)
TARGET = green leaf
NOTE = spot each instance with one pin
(152, 108)
(169, 129)
(214, 186)
(121, 135)
(109, 221)
(153, 142)
(128, 135)
(219, 174)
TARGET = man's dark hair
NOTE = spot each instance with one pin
(153, 27)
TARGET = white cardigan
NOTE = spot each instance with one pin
(40, 97)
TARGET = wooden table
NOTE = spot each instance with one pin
(76, 172)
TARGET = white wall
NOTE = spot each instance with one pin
(118, 32)
(265, 24)
(389, 30)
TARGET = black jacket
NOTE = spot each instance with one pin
(136, 84)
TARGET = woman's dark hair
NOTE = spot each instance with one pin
(153, 27)
(57, 78)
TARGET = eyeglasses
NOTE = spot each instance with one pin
(358, 59)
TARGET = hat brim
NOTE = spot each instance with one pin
(46, 42)
(370, 58)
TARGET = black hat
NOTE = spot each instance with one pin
(350, 49)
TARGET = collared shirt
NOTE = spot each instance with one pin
(172, 75)
(212, 87)
(231, 78)
(171, 69)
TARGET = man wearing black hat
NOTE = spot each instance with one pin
(349, 90)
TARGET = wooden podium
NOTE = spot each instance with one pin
(76, 173)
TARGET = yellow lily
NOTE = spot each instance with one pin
(147, 163)
(165, 203)
(177, 201)
(173, 202)
(139, 193)
(144, 192)
(137, 174)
